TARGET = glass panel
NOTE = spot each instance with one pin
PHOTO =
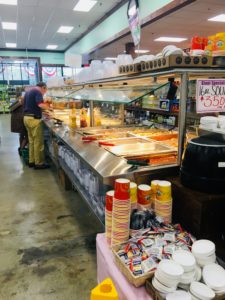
(1, 72)
(25, 75)
(67, 72)
(62, 93)
(16, 73)
(120, 94)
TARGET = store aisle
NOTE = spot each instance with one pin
(47, 235)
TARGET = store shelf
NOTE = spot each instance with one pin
(157, 111)
(78, 187)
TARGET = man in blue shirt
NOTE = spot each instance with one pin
(33, 105)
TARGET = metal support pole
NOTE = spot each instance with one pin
(122, 111)
(182, 115)
(91, 106)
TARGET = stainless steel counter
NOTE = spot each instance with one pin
(105, 164)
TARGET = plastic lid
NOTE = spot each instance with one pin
(185, 258)
(201, 291)
(171, 268)
(178, 295)
(214, 276)
(203, 248)
(144, 187)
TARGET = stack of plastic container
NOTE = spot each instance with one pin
(108, 215)
(164, 202)
(133, 195)
(154, 189)
(121, 212)
(144, 196)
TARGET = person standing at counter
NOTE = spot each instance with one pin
(33, 105)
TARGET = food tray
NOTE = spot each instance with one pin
(148, 148)
(135, 280)
(125, 141)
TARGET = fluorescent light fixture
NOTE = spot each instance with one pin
(132, 10)
(110, 58)
(52, 47)
(10, 45)
(65, 29)
(9, 25)
(219, 18)
(84, 5)
(170, 39)
(8, 2)
(142, 51)
(18, 61)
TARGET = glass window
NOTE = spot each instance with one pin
(48, 72)
(24, 71)
(1, 72)
(16, 72)
(68, 72)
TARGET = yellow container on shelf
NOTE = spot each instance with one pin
(219, 43)
(105, 291)
(164, 192)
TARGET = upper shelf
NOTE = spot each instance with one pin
(117, 94)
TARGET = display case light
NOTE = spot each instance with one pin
(85, 5)
(170, 39)
(219, 18)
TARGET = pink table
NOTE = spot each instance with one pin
(106, 267)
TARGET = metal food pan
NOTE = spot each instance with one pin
(125, 141)
(148, 148)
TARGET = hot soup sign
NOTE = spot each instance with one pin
(210, 95)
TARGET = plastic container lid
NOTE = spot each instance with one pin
(214, 276)
(162, 288)
(185, 258)
(166, 280)
(178, 295)
(202, 248)
(201, 291)
(171, 268)
(203, 261)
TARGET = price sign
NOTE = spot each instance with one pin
(210, 95)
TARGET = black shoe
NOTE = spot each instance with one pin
(20, 151)
(41, 167)
(31, 165)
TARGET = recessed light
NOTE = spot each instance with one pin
(8, 2)
(84, 5)
(219, 18)
(170, 39)
(142, 51)
(10, 45)
(110, 58)
(65, 29)
(52, 47)
(9, 25)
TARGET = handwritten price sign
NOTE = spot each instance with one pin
(210, 95)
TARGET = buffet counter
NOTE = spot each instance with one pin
(92, 167)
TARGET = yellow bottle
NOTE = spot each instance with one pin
(104, 291)
(72, 118)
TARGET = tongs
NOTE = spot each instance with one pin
(106, 144)
(137, 163)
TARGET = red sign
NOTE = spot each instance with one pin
(210, 95)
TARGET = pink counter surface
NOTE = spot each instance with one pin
(106, 267)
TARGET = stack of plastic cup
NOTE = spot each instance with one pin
(164, 201)
(121, 212)
(108, 215)
(144, 196)
(133, 195)
(154, 187)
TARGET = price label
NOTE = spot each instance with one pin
(210, 95)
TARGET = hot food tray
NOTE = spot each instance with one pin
(148, 148)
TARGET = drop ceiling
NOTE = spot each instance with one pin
(187, 22)
(39, 20)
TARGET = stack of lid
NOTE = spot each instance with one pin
(208, 123)
(121, 212)
(200, 291)
(108, 215)
(164, 202)
(187, 260)
(154, 189)
(178, 295)
(214, 277)
(204, 252)
(133, 195)
(144, 196)
(167, 277)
